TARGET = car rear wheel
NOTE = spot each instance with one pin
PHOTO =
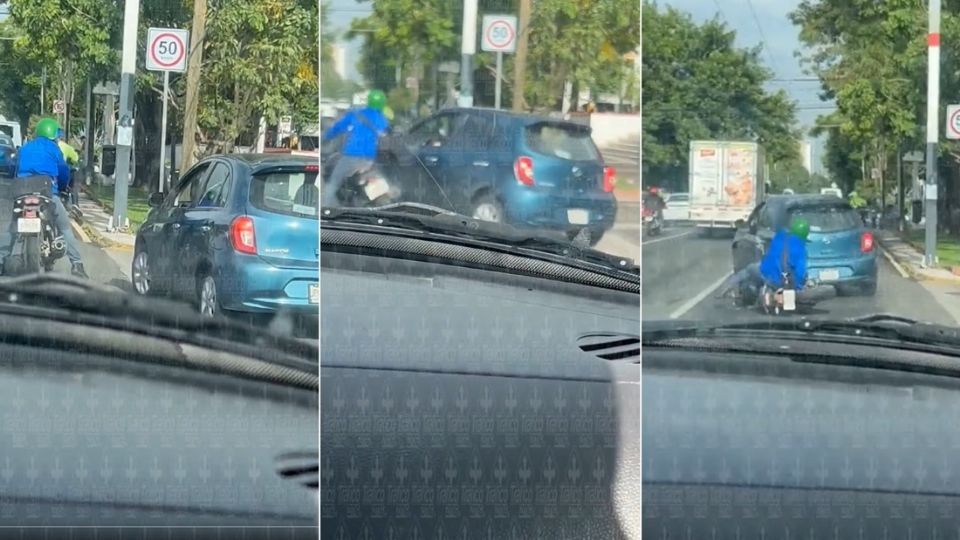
(207, 299)
(487, 208)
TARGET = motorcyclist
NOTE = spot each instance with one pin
(654, 201)
(73, 160)
(42, 157)
(770, 269)
(363, 128)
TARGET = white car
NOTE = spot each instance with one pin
(678, 207)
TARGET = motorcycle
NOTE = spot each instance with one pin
(367, 189)
(42, 243)
(772, 300)
(652, 222)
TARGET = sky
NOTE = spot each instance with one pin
(765, 23)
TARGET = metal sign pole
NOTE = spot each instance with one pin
(163, 130)
(499, 78)
(933, 130)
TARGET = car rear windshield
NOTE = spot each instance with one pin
(825, 219)
(564, 142)
(292, 193)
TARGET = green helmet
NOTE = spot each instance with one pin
(800, 228)
(48, 128)
(376, 99)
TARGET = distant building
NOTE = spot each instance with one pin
(806, 155)
(340, 60)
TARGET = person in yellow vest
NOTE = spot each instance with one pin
(71, 155)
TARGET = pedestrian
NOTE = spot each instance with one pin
(362, 129)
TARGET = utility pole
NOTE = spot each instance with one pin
(131, 17)
(468, 49)
(933, 130)
(197, 32)
(520, 58)
(88, 133)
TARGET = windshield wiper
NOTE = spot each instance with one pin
(879, 326)
(64, 297)
(448, 224)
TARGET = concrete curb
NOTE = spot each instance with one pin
(906, 267)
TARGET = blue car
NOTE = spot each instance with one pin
(238, 235)
(841, 251)
(527, 171)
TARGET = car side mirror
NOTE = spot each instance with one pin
(155, 199)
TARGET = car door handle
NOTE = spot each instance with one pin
(481, 163)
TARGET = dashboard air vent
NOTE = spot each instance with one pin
(300, 467)
(610, 346)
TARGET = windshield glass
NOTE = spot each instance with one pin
(290, 193)
(750, 119)
(553, 152)
(165, 211)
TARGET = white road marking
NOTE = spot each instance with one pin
(665, 238)
(903, 273)
(689, 304)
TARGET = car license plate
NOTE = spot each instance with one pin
(829, 275)
(28, 225)
(577, 216)
(314, 292)
(376, 188)
(789, 300)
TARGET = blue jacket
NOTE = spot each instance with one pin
(770, 266)
(361, 139)
(42, 157)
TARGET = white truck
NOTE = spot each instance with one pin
(726, 182)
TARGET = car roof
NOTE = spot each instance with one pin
(523, 117)
(807, 200)
(259, 162)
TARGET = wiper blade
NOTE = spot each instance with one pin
(113, 306)
(491, 234)
(876, 326)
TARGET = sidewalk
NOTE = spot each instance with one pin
(95, 230)
(908, 259)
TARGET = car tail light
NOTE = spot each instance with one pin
(523, 170)
(609, 179)
(312, 168)
(242, 235)
(866, 242)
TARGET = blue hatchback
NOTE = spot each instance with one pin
(527, 171)
(239, 234)
(840, 249)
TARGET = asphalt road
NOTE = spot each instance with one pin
(624, 238)
(682, 270)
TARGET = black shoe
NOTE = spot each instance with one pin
(77, 270)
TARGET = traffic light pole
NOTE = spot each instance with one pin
(933, 131)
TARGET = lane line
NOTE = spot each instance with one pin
(691, 303)
(903, 273)
(665, 238)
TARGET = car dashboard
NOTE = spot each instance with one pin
(476, 403)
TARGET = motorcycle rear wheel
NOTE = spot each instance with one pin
(31, 254)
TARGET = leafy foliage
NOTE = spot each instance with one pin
(698, 85)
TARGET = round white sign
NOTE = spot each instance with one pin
(500, 34)
(167, 50)
(954, 123)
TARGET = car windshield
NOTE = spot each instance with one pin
(140, 198)
(751, 109)
(554, 153)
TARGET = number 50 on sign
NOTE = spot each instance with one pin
(167, 49)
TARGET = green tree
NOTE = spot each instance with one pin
(698, 85)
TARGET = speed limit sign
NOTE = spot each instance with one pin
(499, 33)
(167, 49)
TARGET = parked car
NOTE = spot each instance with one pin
(8, 156)
(678, 207)
(524, 170)
(238, 235)
(841, 251)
